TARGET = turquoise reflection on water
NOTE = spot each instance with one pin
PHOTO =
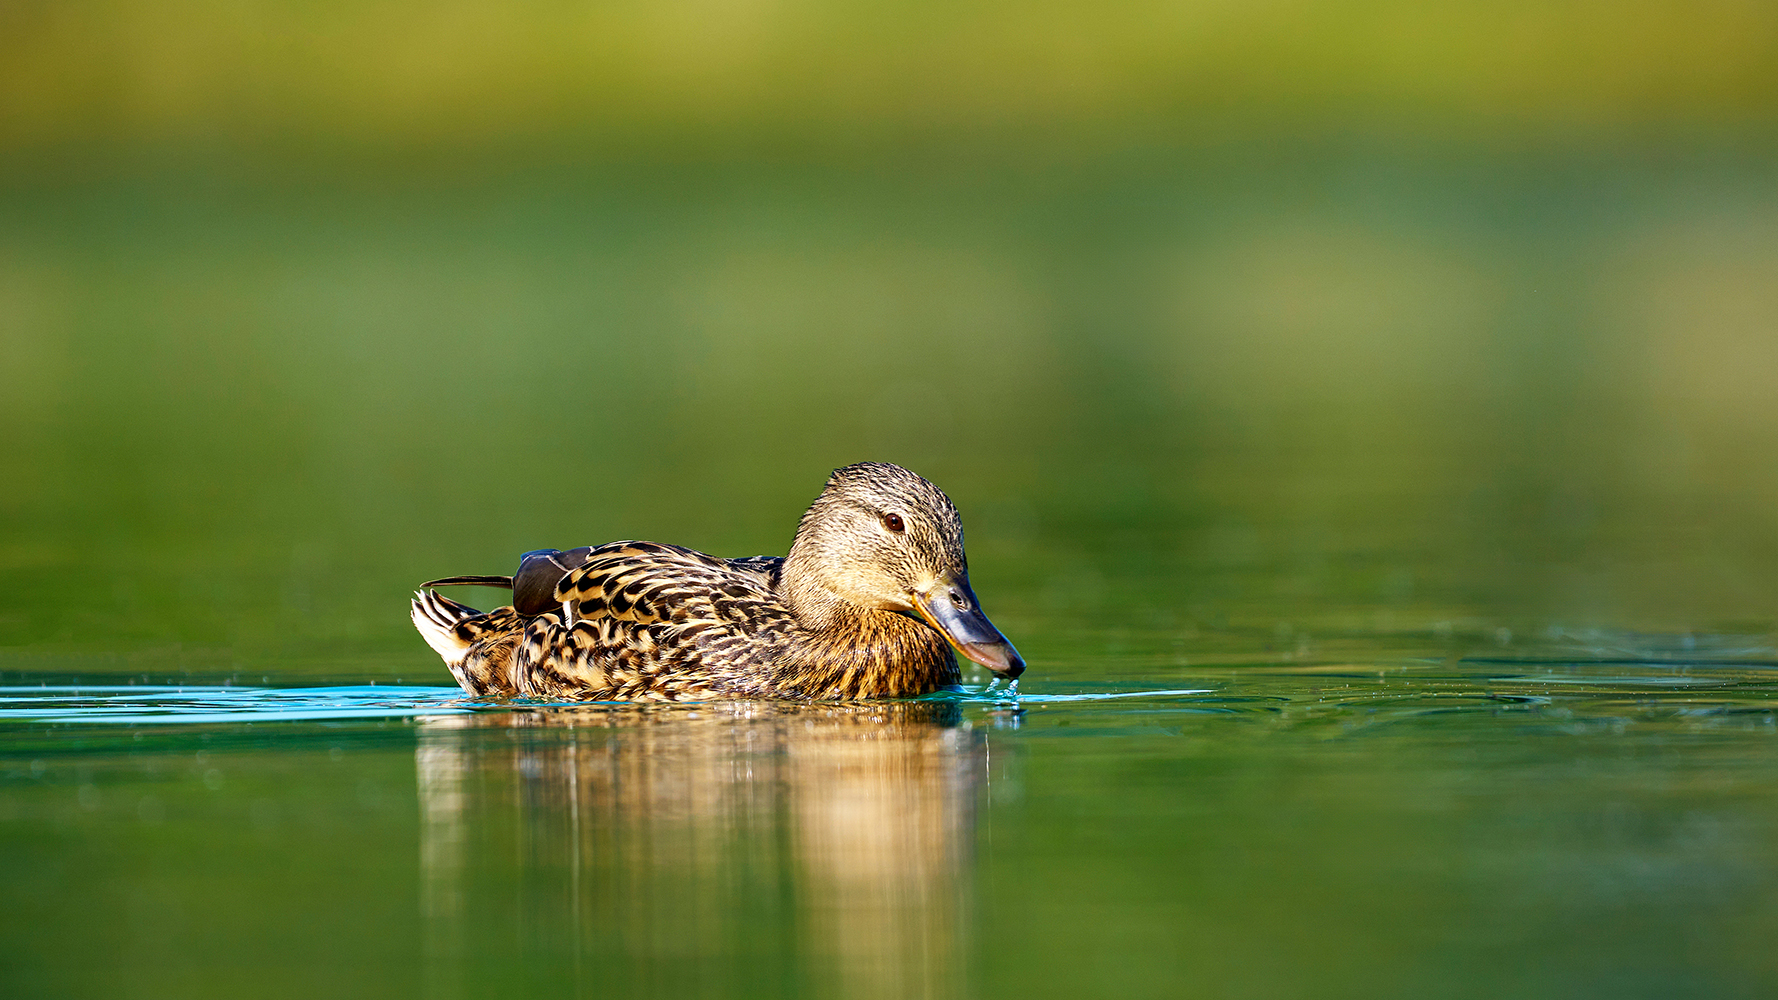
(199, 703)
(149, 704)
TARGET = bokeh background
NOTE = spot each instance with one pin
(1224, 324)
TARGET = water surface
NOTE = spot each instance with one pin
(1387, 527)
(1542, 825)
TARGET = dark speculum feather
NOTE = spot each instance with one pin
(534, 585)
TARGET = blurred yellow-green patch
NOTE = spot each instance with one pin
(609, 78)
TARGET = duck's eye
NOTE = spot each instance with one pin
(893, 523)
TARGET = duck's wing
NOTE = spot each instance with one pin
(769, 569)
(648, 582)
(643, 620)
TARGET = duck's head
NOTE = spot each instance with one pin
(881, 537)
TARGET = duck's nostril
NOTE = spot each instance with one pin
(959, 601)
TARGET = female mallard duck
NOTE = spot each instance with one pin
(874, 585)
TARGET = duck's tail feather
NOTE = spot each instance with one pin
(437, 618)
(503, 582)
(476, 647)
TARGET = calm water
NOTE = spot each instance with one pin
(1389, 533)
(1484, 826)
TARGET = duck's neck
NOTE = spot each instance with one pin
(808, 596)
(817, 608)
(851, 651)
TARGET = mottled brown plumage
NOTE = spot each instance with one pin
(862, 607)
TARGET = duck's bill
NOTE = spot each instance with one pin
(950, 606)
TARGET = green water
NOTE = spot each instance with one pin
(1417, 502)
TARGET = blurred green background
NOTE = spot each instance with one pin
(1289, 321)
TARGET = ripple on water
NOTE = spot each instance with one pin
(152, 704)
(1608, 686)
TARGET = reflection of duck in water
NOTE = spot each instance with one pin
(820, 849)
(876, 560)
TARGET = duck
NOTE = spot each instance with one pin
(872, 601)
